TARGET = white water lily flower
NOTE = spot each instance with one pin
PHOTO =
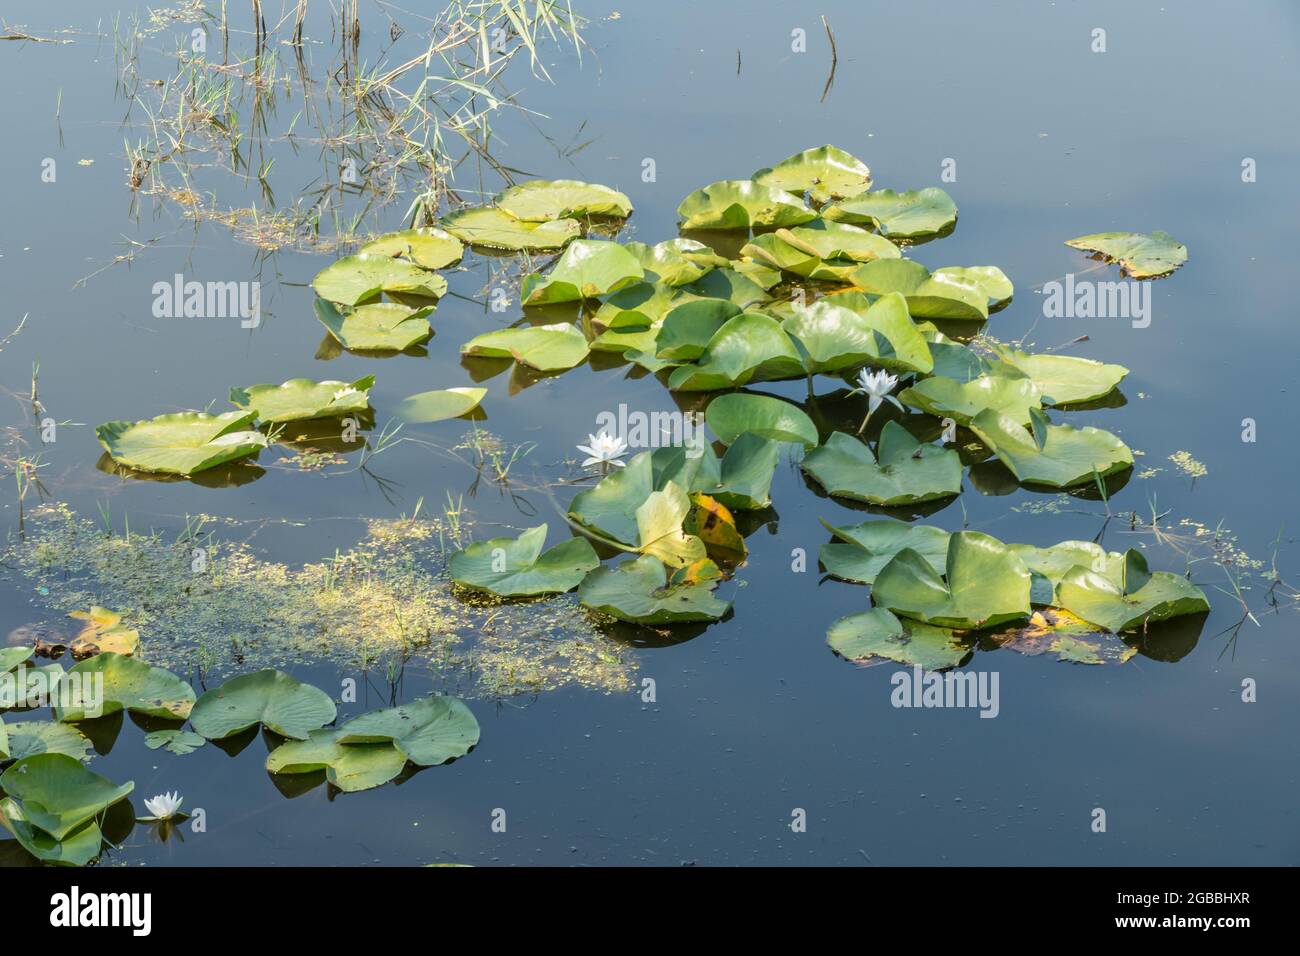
(165, 805)
(876, 386)
(345, 392)
(605, 449)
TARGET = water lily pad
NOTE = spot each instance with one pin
(879, 635)
(1067, 456)
(676, 262)
(820, 250)
(1050, 565)
(957, 361)
(353, 280)
(942, 295)
(659, 521)
(439, 404)
(11, 657)
(847, 330)
(429, 731)
(543, 200)
(27, 738)
(962, 401)
(609, 508)
(826, 172)
(58, 794)
(301, 399)
(1065, 379)
(748, 347)
(903, 472)
(734, 414)
(349, 767)
(742, 204)
(128, 684)
(984, 584)
(546, 348)
(513, 567)
(639, 306)
(990, 280)
(268, 697)
(713, 523)
(78, 848)
(427, 247)
(492, 228)
(179, 742)
(182, 443)
(1099, 600)
(1143, 256)
(640, 591)
(910, 215)
(863, 549)
(730, 285)
(742, 478)
(688, 328)
(378, 327)
(103, 632)
(588, 268)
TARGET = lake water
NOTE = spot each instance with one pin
(754, 718)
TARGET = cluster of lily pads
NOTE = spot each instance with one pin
(56, 808)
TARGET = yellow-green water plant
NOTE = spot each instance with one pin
(544, 200)
(750, 347)
(377, 326)
(1143, 597)
(301, 399)
(26, 738)
(878, 634)
(742, 204)
(489, 227)
(918, 214)
(860, 551)
(587, 269)
(272, 698)
(547, 348)
(901, 472)
(438, 404)
(828, 251)
(687, 329)
(824, 172)
(11, 657)
(735, 413)
(742, 478)
(173, 740)
(1142, 255)
(847, 330)
(953, 294)
(127, 684)
(643, 591)
(1014, 397)
(53, 805)
(518, 567)
(358, 279)
(1055, 456)
(1062, 379)
(182, 443)
(428, 732)
(655, 480)
(676, 262)
(427, 247)
(348, 767)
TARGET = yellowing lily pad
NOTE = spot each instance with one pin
(182, 443)
(1143, 256)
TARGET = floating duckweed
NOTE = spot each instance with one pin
(1188, 465)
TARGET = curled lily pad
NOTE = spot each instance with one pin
(179, 742)
(588, 268)
(428, 247)
(361, 278)
(1065, 456)
(377, 327)
(879, 635)
(820, 250)
(962, 401)
(492, 228)
(957, 361)
(543, 200)
(182, 443)
(349, 767)
(763, 276)
(1142, 255)
(27, 738)
(1099, 600)
(103, 632)
(863, 549)
(826, 172)
(301, 399)
(742, 478)
(984, 584)
(429, 732)
(609, 508)
(546, 348)
(742, 204)
(268, 697)
(128, 684)
(78, 848)
(439, 404)
(58, 795)
(639, 306)
(1065, 379)
(514, 567)
(750, 347)
(902, 472)
(660, 532)
(642, 592)
(910, 215)
(1050, 565)
(713, 523)
(846, 330)
(676, 262)
(735, 413)
(929, 296)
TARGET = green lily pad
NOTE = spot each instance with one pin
(1065, 379)
(742, 479)
(984, 584)
(58, 794)
(1050, 565)
(640, 591)
(360, 278)
(439, 404)
(1067, 456)
(183, 443)
(962, 401)
(513, 567)
(957, 361)
(547, 348)
(989, 280)
(742, 204)
(301, 399)
(429, 248)
(728, 284)
(879, 635)
(78, 848)
(492, 228)
(128, 684)
(676, 262)
(847, 330)
(910, 215)
(1099, 600)
(179, 742)
(609, 508)
(639, 306)
(929, 296)
(27, 738)
(543, 200)
(826, 172)
(863, 549)
(378, 327)
(11, 657)
(429, 731)
(349, 767)
(268, 697)
(735, 413)
(688, 328)
(750, 347)
(588, 268)
(820, 250)
(1143, 256)
(903, 472)
(763, 276)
